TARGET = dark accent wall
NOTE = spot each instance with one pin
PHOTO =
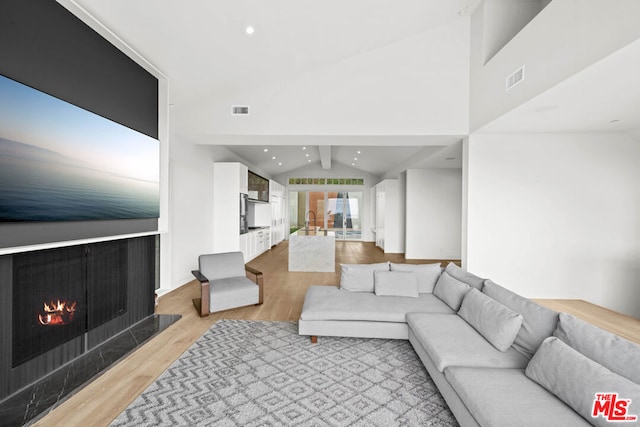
(137, 270)
(45, 46)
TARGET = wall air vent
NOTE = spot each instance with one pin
(240, 110)
(514, 78)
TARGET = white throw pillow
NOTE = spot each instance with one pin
(396, 283)
(497, 323)
(450, 290)
(359, 277)
(427, 274)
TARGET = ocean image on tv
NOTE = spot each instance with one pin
(59, 162)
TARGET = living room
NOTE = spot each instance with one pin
(550, 199)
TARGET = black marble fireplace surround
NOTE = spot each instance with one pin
(99, 301)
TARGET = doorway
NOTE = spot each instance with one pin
(338, 211)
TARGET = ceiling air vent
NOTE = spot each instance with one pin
(515, 78)
(240, 110)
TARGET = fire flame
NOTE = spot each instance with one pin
(57, 313)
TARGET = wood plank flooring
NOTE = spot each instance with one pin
(104, 398)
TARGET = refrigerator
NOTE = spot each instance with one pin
(244, 224)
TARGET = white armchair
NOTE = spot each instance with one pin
(224, 283)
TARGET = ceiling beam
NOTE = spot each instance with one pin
(325, 156)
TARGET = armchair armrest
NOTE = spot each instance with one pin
(259, 281)
(199, 276)
(202, 303)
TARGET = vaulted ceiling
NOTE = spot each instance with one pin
(360, 75)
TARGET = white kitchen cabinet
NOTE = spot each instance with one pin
(257, 242)
(244, 246)
(390, 216)
(278, 200)
(229, 180)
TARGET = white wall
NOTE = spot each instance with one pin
(416, 86)
(433, 214)
(557, 216)
(564, 38)
(191, 206)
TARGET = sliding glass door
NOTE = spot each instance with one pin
(345, 208)
(338, 211)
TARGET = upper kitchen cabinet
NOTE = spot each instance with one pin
(258, 190)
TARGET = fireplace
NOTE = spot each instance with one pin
(65, 302)
(60, 294)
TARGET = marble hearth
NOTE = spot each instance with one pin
(36, 400)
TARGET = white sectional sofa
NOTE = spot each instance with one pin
(497, 358)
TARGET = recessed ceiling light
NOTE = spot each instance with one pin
(249, 30)
(355, 158)
(266, 149)
(273, 157)
(309, 161)
(353, 164)
(279, 163)
(358, 151)
(306, 155)
(304, 148)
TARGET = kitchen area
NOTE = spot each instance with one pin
(251, 215)
(249, 212)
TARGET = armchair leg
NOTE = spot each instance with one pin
(202, 303)
(314, 339)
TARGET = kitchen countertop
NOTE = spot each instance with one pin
(314, 233)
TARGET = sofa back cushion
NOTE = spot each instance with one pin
(427, 274)
(464, 276)
(496, 323)
(395, 283)
(575, 379)
(538, 322)
(450, 290)
(359, 277)
(611, 351)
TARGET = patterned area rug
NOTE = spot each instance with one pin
(259, 373)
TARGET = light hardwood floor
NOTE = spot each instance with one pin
(103, 399)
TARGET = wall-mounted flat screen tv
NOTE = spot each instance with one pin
(59, 162)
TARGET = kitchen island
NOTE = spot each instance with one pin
(311, 250)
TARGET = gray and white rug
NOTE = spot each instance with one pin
(259, 373)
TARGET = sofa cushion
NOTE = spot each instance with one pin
(464, 276)
(450, 341)
(331, 303)
(359, 277)
(427, 274)
(506, 397)
(538, 322)
(396, 283)
(575, 379)
(450, 290)
(609, 350)
(497, 323)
